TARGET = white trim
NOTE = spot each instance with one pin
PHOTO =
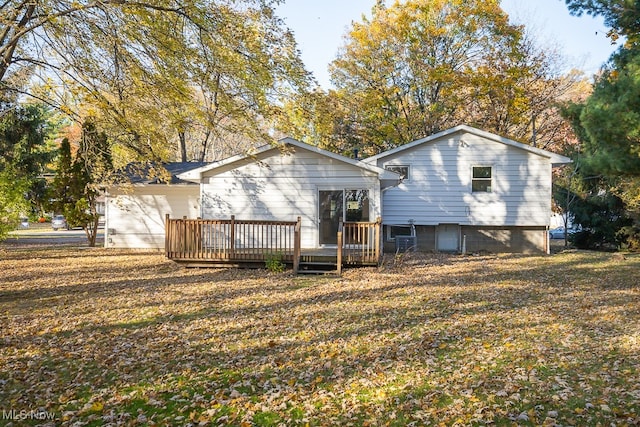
(556, 159)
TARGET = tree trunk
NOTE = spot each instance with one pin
(204, 146)
(92, 230)
(183, 146)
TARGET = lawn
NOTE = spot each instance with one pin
(107, 337)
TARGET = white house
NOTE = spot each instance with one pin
(293, 179)
(467, 189)
(462, 189)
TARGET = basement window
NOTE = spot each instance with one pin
(397, 230)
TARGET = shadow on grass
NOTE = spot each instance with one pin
(270, 333)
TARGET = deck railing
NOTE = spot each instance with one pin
(232, 240)
(359, 243)
(200, 242)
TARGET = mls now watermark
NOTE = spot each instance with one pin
(39, 414)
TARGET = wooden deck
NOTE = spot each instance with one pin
(248, 243)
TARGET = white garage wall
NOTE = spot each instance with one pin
(134, 217)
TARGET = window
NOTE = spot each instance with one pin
(397, 230)
(481, 180)
(357, 205)
(401, 170)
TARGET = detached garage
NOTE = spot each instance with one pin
(135, 211)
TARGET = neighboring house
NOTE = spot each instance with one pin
(461, 190)
(466, 189)
(135, 211)
(293, 180)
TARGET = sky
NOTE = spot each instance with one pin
(319, 27)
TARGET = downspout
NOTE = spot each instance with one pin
(105, 233)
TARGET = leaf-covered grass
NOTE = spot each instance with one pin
(106, 337)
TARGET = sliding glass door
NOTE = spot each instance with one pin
(336, 205)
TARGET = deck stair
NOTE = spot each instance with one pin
(318, 268)
(318, 264)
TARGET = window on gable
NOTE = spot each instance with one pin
(402, 170)
(481, 179)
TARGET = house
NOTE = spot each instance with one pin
(293, 180)
(465, 189)
(135, 211)
(459, 190)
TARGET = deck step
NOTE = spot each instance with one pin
(321, 263)
(308, 267)
(319, 272)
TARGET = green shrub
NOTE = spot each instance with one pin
(629, 238)
(274, 263)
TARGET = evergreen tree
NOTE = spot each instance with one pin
(79, 179)
(62, 192)
(608, 124)
(24, 154)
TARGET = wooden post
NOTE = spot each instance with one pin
(166, 235)
(232, 230)
(296, 245)
(339, 255)
(378, 240)
(167, 231)
(186, 243)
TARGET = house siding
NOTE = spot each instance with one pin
(283, 186)
(438, 190)
(136, 215)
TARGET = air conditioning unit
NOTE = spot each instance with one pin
(405, 243)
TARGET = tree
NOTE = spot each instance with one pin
(418, 67)
(517, 94)
(80, 179)
(323, 119)
(608, 121)
(24, 137)
(62, 187)
(13, 204)
(127, 61)
(568, 190)
(622, 16)
(611, 118)
(24, 154)
(602, 215)
(403, 68)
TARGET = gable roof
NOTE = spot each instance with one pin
(195, 175)
(156, 173)
(556, 159)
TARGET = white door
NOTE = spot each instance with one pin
(448, 236)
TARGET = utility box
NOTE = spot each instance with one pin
(405, 243)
